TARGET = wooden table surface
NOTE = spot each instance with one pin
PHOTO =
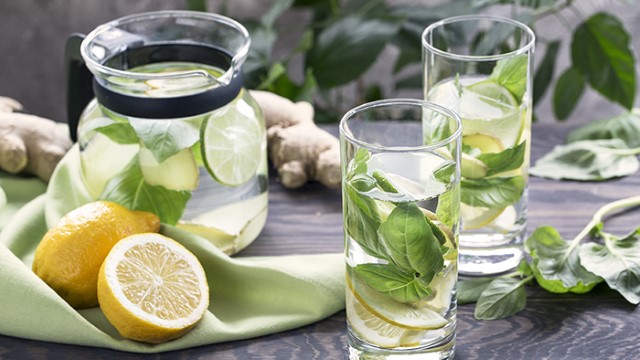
(598, 325)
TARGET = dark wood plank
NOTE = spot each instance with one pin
(599, 325)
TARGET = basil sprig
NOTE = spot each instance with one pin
(559, 267)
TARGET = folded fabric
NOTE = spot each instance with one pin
(250, 296)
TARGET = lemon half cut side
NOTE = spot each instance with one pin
(152, 289)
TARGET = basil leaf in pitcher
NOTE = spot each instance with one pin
(121, 133)
(399, 285)
(129, 189)
(410, 242)
(492, 192)
(166, 138)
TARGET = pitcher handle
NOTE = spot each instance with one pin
(78, 78)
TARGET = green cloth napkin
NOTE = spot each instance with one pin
(249, 296)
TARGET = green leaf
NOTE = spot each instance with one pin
(401, 286)
(406, 39)
(276, 71)
(359, 163)
(617, 261)
(448, 210)
(445, 173)
(259, 58)
(556, 265)
(129, 189)
(544, 74)
(502, 298)
(362, 222)
(568, 90)
(197, 5)
(508, 159)
(409, 241)
(119, 132)
(469, 290)
(602, 52)
(351, 44)
(512, 74)
(625, 127)
(166, 138)
(493, 192)
(277, 8)
(588, 160)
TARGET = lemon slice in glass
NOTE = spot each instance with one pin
(489, 108)
(152, 289)
(477, 217)
(406, 316)
(375, 330)
(231, 144)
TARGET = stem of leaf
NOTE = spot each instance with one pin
(633, 151)
(597, 218)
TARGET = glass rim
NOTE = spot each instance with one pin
(238, 57)
(346, 132)
(494, 18)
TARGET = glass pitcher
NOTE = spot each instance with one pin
(164, 125)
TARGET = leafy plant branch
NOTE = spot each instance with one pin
(559, 267)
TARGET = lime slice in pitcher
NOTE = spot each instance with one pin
(231, 146)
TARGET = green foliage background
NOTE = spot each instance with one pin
(345, 38)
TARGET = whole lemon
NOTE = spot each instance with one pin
(70, 254)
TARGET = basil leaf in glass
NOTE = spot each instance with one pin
(588, 160)
(617, 262)
(399, 285)
(492, 192)
(409, 240)
(362, 222)
(508, 159)
(512, 74)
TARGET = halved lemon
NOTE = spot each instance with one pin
(406, 316)
(152, 289)
(232, 145)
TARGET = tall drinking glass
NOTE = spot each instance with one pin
(481, 67)
(400, 191)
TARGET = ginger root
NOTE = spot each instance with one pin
(28, 143)
(298, 148)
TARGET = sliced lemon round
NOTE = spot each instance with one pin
(490, 109)
(152, 289)
(485, 143)
(472, 168)
(477, 217)
(505, 221)
(178, 172)
(443, 286)
(375, 330)
(232, 146)
(406, 316)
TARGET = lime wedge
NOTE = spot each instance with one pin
(477, 217)
(178, 172)
(489, 108)
(231, 144)
(402, 315)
